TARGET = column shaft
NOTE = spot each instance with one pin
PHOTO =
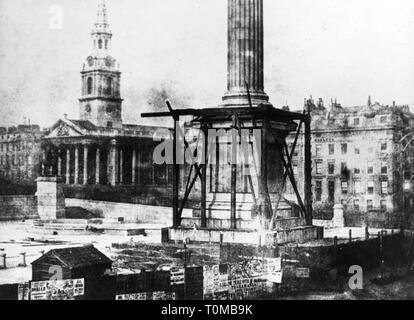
(85, 164)
(134, 166)
(67, 166)
(77, 165)
(98, 165)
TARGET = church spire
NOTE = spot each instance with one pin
(102, 18)
(101, 34)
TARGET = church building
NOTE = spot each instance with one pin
(98, 148)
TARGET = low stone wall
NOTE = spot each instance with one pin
(132, 213)
(18, 208)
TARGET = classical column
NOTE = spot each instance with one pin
(98, 164)
(59, 173)
(134, 165)
(113, 163)
(121, 166)
(67, 166)
(76, 165)
(85, 164)
(245, 54)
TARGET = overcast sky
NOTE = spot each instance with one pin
(344, 49)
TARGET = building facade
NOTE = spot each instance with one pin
(20, 154)
(360, 161)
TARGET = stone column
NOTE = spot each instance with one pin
(113, 163)
(245, 54)
(98, 164)
(59, 173)
(134, 165)
(68, 166)
(76, 165)
(121, 166)
(85, 164)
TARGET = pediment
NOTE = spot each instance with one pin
(63, 130)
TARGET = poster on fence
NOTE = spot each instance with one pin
(23, 291)
(158, 295)
(177, 276)
(57, 289)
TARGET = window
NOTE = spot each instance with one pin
(106, 44)
(357, 171)
(89, 85)
(384, 168)
(383, 205)
(331, 149)
(110, 124)
(358, 187)
(370, 169)
(100, 43)
(384, 146)
(109, 85)
(384, 187)
(331, 191)
(356, 121)
(295, 169)
(344, 148)
(357, 151)
(331, 168)
(344, 204)
(319, 168)
(370, 205)
(407, 185)
(370, 187)
(344, 187)
(318, 190)
(318, 150)
(383, 119)
(356, 204)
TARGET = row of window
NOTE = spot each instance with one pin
(13, 160)
(12, 176)
(344, 149)
(383, 120)
(370, 205)
(344, 167)
(6, 147)
(358, 189)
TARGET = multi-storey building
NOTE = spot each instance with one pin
(20, 154)
(359, 160)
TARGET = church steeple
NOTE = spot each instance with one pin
(101, 34)
(101, 101)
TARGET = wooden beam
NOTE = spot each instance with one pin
(204, 179)
(308, 169)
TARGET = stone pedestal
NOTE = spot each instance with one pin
(50, 198)
(338, 218)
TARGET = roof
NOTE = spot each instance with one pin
(84, 124)
(77, 257)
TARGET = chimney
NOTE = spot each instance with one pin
(245, 54)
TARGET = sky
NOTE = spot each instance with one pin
(344, 49)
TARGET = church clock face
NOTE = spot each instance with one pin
(90, 61)
(108, 62)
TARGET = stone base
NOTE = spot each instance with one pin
(241, 99)
(300, 234)
(50, 198)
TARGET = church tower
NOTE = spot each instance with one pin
(101, 101)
